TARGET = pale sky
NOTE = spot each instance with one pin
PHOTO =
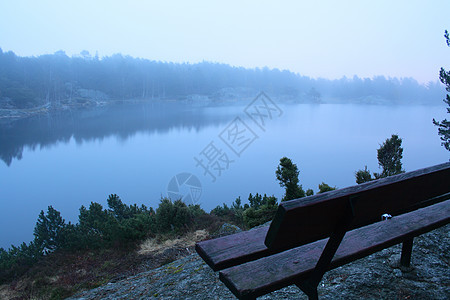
(328, 39)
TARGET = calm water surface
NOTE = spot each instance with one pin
(74, 158)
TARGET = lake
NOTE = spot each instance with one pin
(210, 156)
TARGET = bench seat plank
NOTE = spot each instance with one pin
(234, 249)
(258, 277)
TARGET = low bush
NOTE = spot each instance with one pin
(122, 226)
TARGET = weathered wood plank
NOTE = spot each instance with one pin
(305, 220)
(270, 273)
(234, 249)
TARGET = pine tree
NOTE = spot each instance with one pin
(323, 187)
(119, 210)
(390, 156)
(287, 174)
(444, 125)
(49, 230)
(363, 176)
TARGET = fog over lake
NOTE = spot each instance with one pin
(70, 159)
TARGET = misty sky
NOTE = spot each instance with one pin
(328, 39)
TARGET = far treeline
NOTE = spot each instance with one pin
(27, 82)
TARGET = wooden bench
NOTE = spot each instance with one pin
(312, 235)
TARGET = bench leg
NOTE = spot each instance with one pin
(309, 289)
(309, 286)
(405, 260)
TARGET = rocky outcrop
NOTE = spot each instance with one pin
(377, 276)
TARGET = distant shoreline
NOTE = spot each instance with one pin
(8, 115)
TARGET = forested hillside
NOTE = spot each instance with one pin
(57, 78)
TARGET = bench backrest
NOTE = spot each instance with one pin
(301, 221)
